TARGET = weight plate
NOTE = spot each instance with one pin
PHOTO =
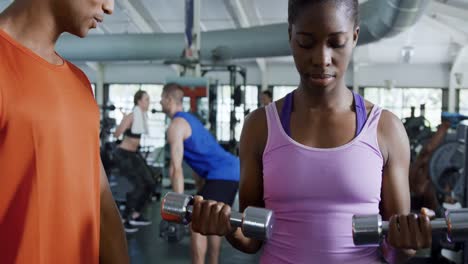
(446, 157)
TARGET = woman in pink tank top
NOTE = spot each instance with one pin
(321, 155)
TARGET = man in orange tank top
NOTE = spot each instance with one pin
(55, 202)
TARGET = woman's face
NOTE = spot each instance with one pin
(144, 102)
(322, 40)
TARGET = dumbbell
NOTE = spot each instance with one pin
(255, 222)
(171, 232)
(369, 229)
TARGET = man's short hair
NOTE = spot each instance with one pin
(268, 93)
(175, 91)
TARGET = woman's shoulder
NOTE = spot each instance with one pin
(128, 118)
(369, 106)
(258, 117)
(279, 104)
(388, 121)
(255, 119)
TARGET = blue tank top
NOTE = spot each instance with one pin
(205, 156)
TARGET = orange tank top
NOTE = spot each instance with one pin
(49, 161)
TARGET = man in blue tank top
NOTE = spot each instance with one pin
(217, 170)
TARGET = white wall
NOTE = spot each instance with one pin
(405, 75)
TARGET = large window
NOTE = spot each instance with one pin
(464, 101)
(121, 95)
(400, 100)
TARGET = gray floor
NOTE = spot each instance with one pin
(146, 247)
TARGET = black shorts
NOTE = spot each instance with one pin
(220, 191)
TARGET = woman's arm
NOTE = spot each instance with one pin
(211, 217)
(407, 232)
(252, 145)
(124, 125)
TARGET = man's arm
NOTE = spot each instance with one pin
(112, 245)
(175, 136)
(124, 125)
(2, 110)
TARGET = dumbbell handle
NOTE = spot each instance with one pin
(236, 218)
(438, 225)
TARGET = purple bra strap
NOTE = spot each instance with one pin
(361, 113)
(285, 116)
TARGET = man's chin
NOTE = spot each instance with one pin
(84, 33)
(80, 34)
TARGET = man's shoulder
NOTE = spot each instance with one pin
(80, 75)
(179, 122)
(9, 66)
(77, 71)
(6, 53)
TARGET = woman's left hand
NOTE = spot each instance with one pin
(411, 231)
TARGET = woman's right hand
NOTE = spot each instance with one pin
(211, 217)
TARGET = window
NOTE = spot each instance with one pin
(186, 104)
(223, 115)
(121, 95)
(463, 101)
(281, 91)
(251, 97)
(400, 100)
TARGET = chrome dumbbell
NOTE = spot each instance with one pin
(255, 222)
(369, 229)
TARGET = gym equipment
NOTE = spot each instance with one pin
(369, 229)
(462, 134)
(107, 147)
(418, 130)
(110, 107)
(447, 166)
(236, 94)
(255, 222)
(171, 232)
(453, 118)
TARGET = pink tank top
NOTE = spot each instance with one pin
(315, 192)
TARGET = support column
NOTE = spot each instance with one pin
(197, 33)
(455, 78)
(99, 84)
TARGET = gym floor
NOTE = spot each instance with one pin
(146, 247)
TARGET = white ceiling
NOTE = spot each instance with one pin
(436, 38)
